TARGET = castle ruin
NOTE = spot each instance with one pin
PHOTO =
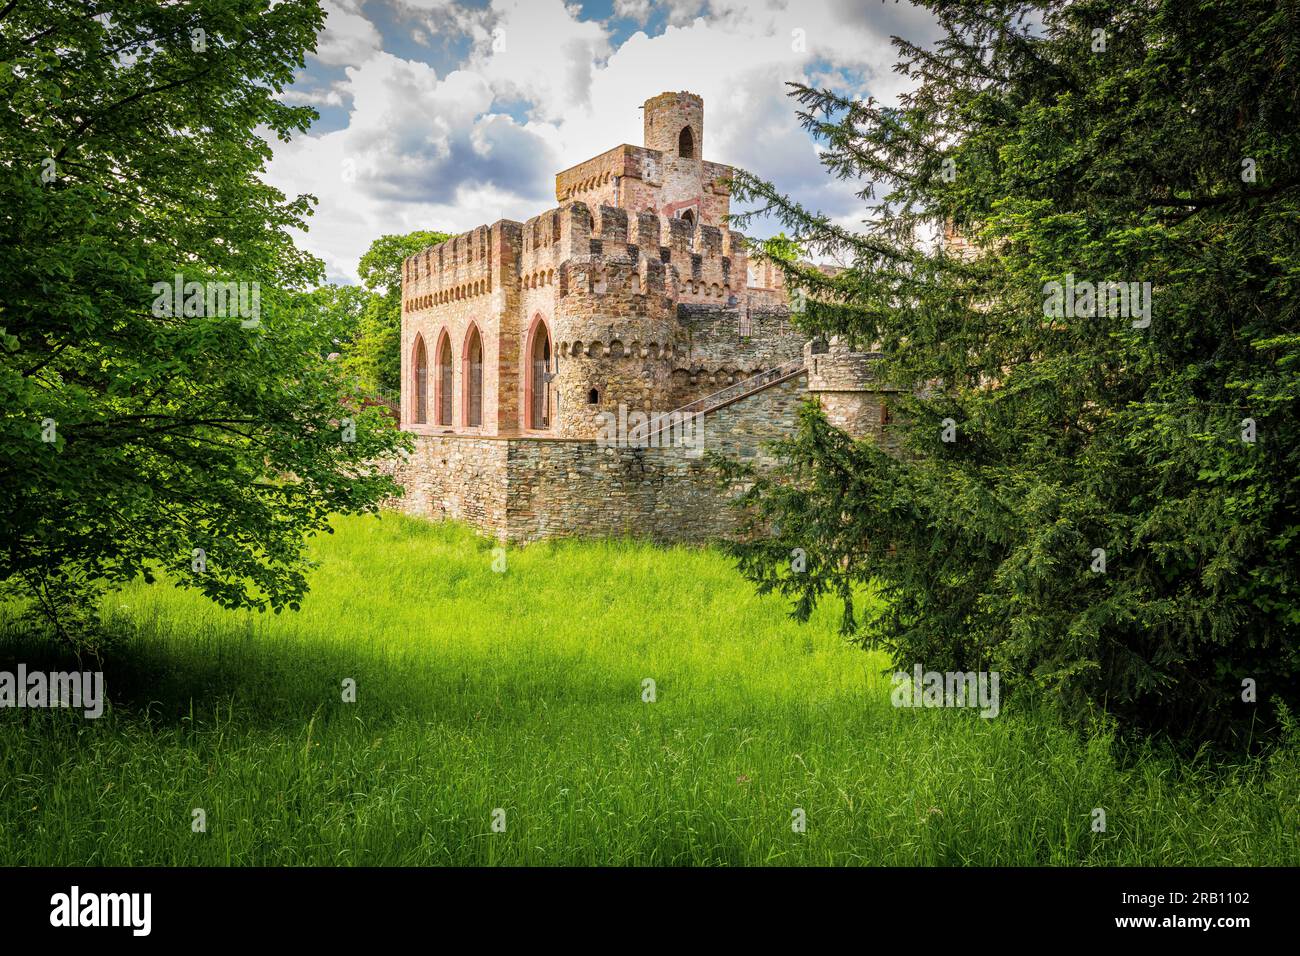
(528, 347)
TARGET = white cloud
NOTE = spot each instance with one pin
(684, 11)
(348, 36)
(426, 4)
(418, 152)
(539, 52)
(432, 152)
(636, 10)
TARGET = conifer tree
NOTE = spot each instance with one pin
(1114, 521)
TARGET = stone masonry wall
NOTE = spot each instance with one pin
(456, 477)
(578, 488)
(525, 489)
(723, 346)
(844, 382)
(743, 429)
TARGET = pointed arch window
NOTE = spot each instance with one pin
(443, 401)
(539, 371)
(420, 383)
(473, 373)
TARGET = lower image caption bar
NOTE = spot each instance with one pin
(213, 904)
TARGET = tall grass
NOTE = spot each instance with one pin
(522, 690)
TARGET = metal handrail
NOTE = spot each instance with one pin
(744, 386)
(721, 397)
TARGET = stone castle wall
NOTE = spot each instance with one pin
(470, 280)
(525, 489)
(455, 477)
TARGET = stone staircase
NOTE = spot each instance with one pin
(724, 396)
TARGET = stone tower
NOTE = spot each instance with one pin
(674, 125)
(614, 322)
(843, 381)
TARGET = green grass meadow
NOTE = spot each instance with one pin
(522, 690)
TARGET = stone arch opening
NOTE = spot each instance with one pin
(443, 398)
(419, 382)
(686, 143)
(472, 374)
(538, 373)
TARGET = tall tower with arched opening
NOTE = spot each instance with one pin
(674, 125)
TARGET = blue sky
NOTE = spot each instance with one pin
(437, 114)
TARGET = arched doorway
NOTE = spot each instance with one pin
(539, 367)
(688, 217)
(443, 402)
(473, 375)
(419, 383)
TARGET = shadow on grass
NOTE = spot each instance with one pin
(169, 680)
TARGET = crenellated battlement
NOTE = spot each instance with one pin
(591, 181)
(688, 261)
(700, 263)
(467, 266)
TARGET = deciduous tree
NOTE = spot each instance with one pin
(143, 431)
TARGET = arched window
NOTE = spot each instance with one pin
(473, 375)
(593, 397)
(539, 368)
(443, 401)
(420, 383)
(686, 144)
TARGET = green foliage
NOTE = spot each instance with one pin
(1057, 157)
(134, 436)
(783, 247)
(376, 355)
(343, 304)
